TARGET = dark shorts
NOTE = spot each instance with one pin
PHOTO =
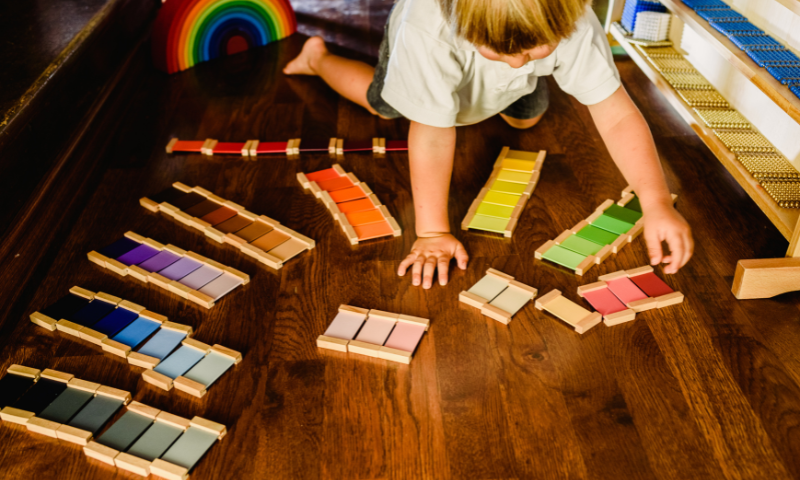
(529, 106)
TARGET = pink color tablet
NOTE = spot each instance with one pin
(626, 290)
(405, 336)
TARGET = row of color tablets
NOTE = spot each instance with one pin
(119, 326)
(116, 325)
(500, 203)
(620, 295)
(146, 440)
(591, 241)
(260, 237)
(374, 333)
(294, 146)
(142, 440)
(58, 404)
(352, 204)
(498, 296)
(186, 274)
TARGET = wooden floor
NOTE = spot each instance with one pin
(709, 389)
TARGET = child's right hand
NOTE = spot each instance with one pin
(431, 253)
(662, 223)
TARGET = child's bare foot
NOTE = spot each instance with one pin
(305, 63)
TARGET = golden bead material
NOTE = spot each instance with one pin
(670, 65)
(744, 141)
(703, 98)
(659, 52)
(787, 194)
(722, 118)
(688, 81)
(769, 166)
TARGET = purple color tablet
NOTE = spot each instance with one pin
(161, 261)
(180, 269)
(138, 255)
(200, 277)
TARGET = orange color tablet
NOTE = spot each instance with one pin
(348, 194)
(327, 174)
(373, 230)
(365, 217)
(334, 184)
(355, 206)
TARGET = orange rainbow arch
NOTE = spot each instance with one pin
(187, 32)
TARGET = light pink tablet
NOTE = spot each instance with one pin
(345, 325)
(405, 336)
(376, 330)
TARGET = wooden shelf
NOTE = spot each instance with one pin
(785, 219)
(793, 5)
(778, 93)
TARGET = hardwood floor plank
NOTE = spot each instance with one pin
(738, 440)
(663, 419)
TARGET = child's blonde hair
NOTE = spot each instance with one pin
(510, 26)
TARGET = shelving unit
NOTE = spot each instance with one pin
(785, 219)
(754, 278)
(778, 93)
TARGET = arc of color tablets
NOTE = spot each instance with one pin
(590, 242)
(618, 296)
(375, 333)
(169, 267)
(260, 237)
(352, 203)
(498, 296)
(294, 146)
(573, 314)
(500, 203)
(165, 348)
(654, 292)
(81, 412)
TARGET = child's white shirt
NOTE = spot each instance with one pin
(439, 80)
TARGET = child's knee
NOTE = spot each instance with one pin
(521, 124)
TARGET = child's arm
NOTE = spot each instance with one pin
(628, 139)
(430, 153)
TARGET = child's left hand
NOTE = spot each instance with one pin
(662, 223)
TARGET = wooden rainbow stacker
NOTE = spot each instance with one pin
(500, 202)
